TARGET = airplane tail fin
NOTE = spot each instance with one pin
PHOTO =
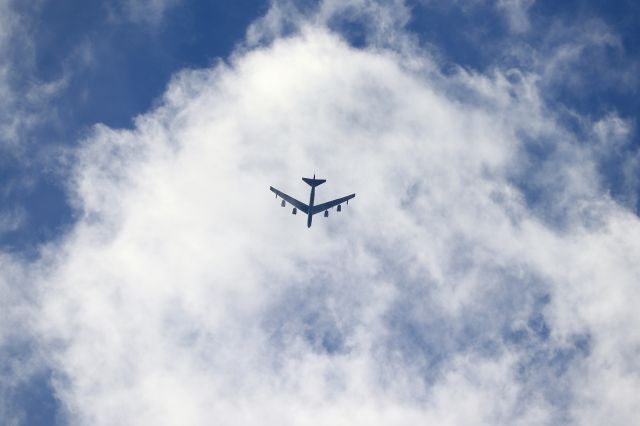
(313, 181)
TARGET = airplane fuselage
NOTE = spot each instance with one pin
(311, 198)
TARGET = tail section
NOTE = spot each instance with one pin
(313, 182)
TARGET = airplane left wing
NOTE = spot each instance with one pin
(295, 203)
(325, 206)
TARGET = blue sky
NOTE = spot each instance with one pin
(485, 273)
(114, 67)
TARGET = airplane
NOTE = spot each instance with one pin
(311, 209)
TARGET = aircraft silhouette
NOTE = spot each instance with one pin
(311, 209)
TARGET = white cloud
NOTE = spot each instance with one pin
(25, 98)
(516, 12)
(186, 295)
(382, 21)
(20, 359)
(442, 294)
(28, 101)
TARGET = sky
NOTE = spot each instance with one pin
(486, 272)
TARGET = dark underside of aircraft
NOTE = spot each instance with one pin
(311, 209)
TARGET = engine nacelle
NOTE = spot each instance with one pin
(326, 213)
(283, 203)
(339, 208)
(294, 211)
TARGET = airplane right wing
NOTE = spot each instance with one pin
(295, 203)
(325, 206)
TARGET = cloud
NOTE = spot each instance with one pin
(379, 23)
(21, 362)
(481, 275)
(24, 96)
(516, 12)
(184, 296)
(32, 94)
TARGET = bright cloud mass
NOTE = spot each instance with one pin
(485, 274)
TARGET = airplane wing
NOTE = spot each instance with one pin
(295, 203)
(325, 206)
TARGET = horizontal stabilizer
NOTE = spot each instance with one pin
(313, 181)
